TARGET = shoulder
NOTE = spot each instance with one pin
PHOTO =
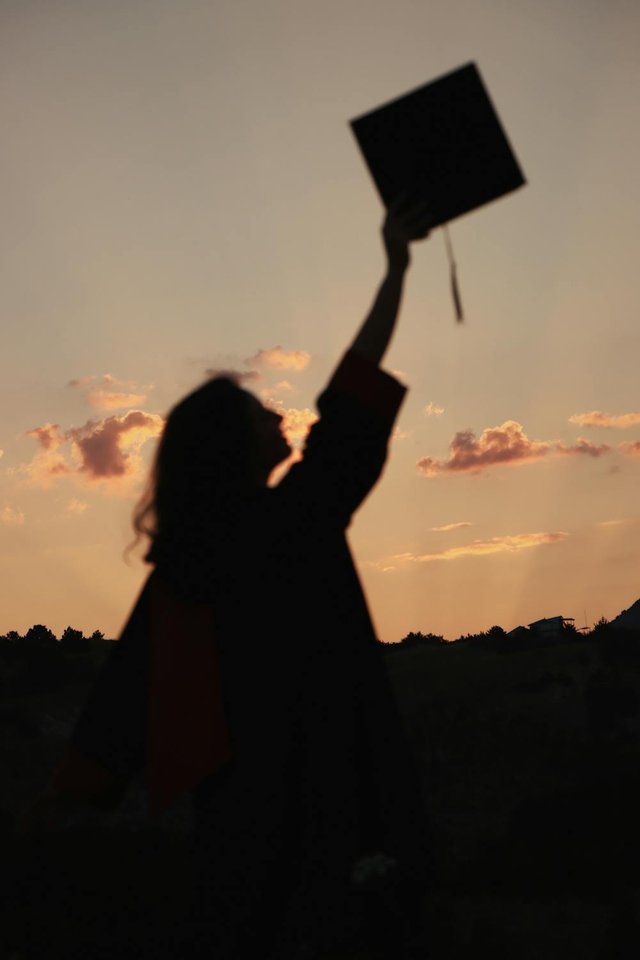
(359, 380)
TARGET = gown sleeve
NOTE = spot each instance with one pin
(347, 447)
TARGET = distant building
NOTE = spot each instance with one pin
(550, 628)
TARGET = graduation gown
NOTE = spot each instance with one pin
(296, 759)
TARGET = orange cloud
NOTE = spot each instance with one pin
(478, 548)
(76, 507)
(106, 400)
(506, 444)
(271, 393)
(282, 359)
(297, 424)
(452, 526)
(106, 393)
(11, 517)
(631, 448)
(596, 418)
(433, 410)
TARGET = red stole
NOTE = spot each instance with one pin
(188, 737)
(187, 734)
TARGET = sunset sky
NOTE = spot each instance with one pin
(181, 193)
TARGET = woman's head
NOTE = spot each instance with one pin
(219, 444)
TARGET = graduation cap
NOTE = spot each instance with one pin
(442, 143)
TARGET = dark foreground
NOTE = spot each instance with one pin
(530, 761)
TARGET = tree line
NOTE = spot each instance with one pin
(39, 637)
(38, 662)
(497, 638)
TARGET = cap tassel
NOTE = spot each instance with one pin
(455, 292)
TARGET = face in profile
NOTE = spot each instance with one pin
(271, 447)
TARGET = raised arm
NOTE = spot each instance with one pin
(405, 221)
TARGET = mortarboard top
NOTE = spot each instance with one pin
(443, 143)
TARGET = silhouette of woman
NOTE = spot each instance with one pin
(248, 673)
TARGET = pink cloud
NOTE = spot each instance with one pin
(105, 446)
(596, 418)
(101, 450)
(505, 444)
(282, 359)
(48, 436)
(585, 447)
(631, 448)
(48, 464)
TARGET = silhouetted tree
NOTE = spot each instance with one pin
(600, 627)
(421, 639)
(6, 648)
(72, 641)
(97, 635)
(39, 637)
(471, 637)
(496, 639)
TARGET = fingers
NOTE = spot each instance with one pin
(401, 202)
(412, 216)
(408, 205)
(419, 224)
